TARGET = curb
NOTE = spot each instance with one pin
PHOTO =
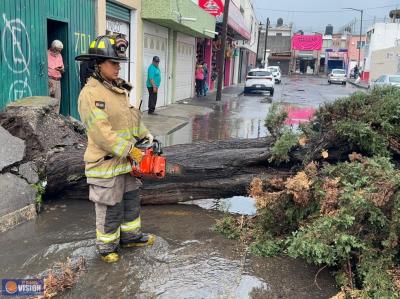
(358, 85)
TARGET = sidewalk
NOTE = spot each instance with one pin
(361, 84)
(175, 116)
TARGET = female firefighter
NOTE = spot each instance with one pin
(112, 126)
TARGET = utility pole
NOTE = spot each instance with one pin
(258, 42)
(266, 42)
(361, 26)
(359, 49)
(221, 62)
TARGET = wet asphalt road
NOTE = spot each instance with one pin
(188, 260)
(243, 117)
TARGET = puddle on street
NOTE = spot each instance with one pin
(188, 259)
(235, 205)
(230, 119)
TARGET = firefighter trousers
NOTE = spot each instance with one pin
(117, 207)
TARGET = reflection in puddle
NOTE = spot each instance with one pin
(235, 205)
(298, 115)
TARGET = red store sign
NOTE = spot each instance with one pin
(213, 7)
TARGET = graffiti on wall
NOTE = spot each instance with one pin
(18, 59)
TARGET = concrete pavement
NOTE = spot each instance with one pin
(175, 116)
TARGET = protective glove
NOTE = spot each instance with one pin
(150, 138)
(136, 155)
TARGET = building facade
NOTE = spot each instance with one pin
(152, 28)
(246, 49)
(355, 51)
(27, 29)
(278, 46)
(385, 62)
(170, 30)
(380, 36)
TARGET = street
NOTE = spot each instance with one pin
(243, 116)
(188, 260)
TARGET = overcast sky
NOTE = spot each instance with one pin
(290, 11)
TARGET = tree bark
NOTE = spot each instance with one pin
(208, 169)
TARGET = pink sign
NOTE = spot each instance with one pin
(307, 42)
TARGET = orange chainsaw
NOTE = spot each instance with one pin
(153, 164)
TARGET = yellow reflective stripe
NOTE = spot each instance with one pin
(131, 226)
(101, 45)
(108, 172)
(94, 116)
(107, 238)
(120, 147)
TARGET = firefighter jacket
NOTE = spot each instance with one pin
(112, 126)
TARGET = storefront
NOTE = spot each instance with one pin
(237, 30)
(174, 36)
(27, 29)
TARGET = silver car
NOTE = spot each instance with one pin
(337, 76)
(392, 80)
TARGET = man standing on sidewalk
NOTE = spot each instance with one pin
(55, 70)
(153, 83)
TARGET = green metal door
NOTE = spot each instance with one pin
(22, 52)
(24, 40)
(80, 17)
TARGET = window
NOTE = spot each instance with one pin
(279, 34)
(259, 74)
(338, 72)
(362, 44)
(381, 79)
(394, 79)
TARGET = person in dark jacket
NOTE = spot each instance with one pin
(204, 85)
(86, 70)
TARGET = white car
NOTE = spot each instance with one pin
(337, 76)
(276, 72)
(387, 80)
(259, 80)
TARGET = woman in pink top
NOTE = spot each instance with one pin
(199, 75)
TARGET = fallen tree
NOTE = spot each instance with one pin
(208, 169)
(342, 208)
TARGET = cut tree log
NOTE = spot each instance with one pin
(208, 169)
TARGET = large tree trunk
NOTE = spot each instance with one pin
(208, 169)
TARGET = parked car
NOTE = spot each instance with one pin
(391, 80)
(337, 76)
(259, 80)
(276, 72)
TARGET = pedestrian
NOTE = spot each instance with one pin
(199, 76)
(55, 69)
(86, 71)
(205, 73)
(112, 124)
(153, 83)
(356, 72)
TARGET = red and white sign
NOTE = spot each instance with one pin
(307, 42)
(213, 7)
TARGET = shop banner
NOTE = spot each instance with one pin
(213, 7)
(307, 42)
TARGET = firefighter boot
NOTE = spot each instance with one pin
(143, 240)
(112, 257)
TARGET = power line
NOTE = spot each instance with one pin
(319, 11)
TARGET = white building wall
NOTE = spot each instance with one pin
(383, 36)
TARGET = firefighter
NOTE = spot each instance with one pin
(112, 126)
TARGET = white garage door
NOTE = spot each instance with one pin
(185, 60)
(155, 43)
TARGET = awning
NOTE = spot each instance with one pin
(180, 15)
(237, 23)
